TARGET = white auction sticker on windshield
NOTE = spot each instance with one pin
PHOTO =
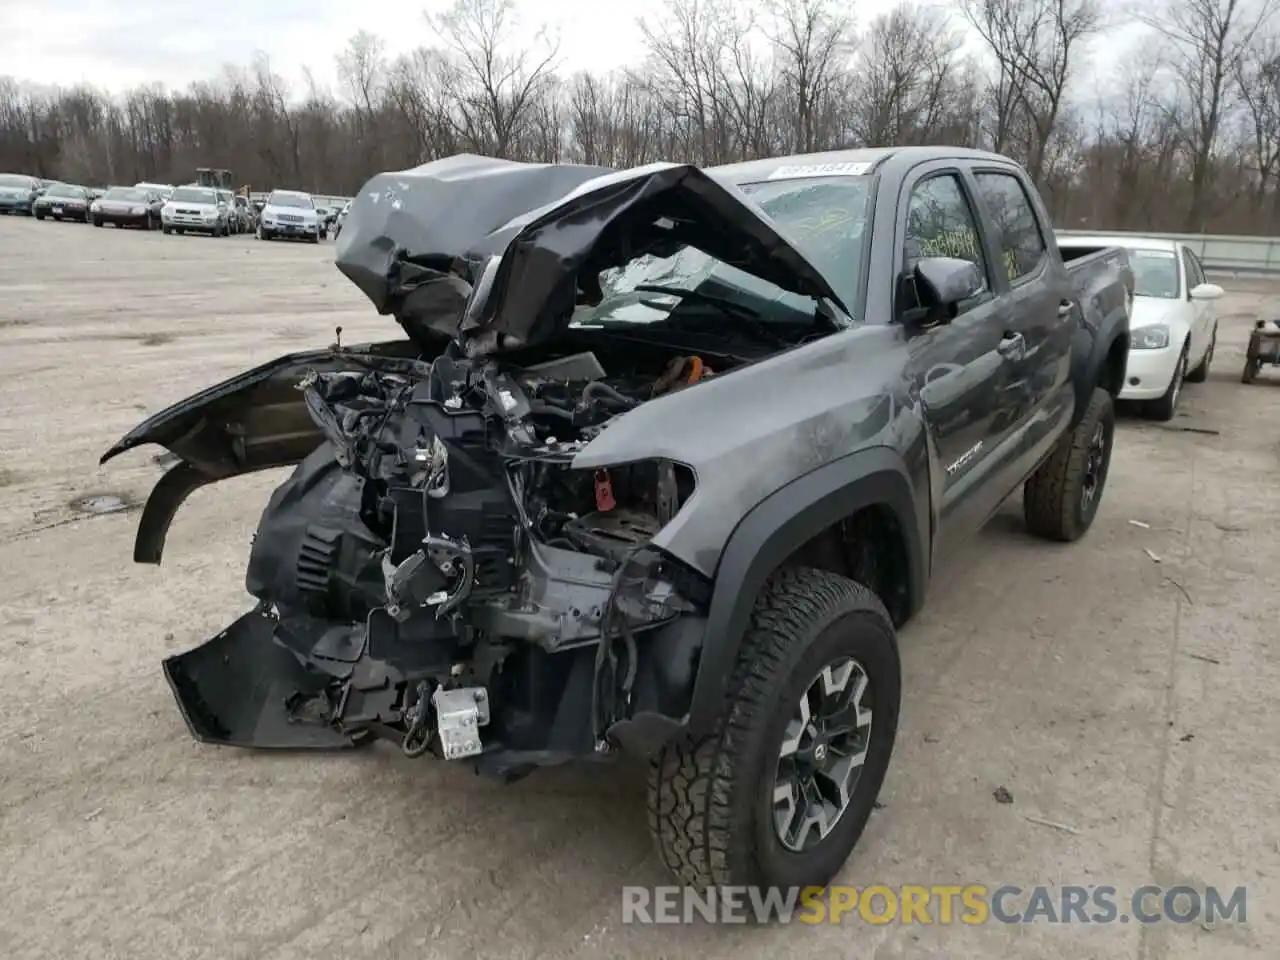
(798, 170)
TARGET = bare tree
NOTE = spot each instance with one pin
(907, 70)
(1257, 75)
(812, 41)
(495, 85)
(726, 80)
(1208, 40)
(1035, 45)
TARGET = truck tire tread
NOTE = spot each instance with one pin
(692, 816)
(1051, 495)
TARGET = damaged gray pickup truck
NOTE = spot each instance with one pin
(666, 457)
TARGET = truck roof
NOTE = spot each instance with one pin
(852, 162)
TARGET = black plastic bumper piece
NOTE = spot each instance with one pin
(236, 690)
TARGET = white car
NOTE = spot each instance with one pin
(195, 210)
(291, 213)
(1174, 321)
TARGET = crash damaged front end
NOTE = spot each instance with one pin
(440, 570)
(437, 573)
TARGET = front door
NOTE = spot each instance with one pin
(961, 366)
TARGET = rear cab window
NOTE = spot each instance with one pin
(1018, 232)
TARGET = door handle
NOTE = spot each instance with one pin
(1011, 346)
(1064, 308)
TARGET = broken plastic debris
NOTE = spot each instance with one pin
(1139, 523)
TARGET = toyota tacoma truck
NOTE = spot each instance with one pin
(664, 459)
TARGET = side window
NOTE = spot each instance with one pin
(940, 223)
(1021, 242)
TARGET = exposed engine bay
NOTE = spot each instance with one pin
(437, 571)
(439, 541)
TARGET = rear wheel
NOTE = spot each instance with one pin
(780, 791)
(1060, 500)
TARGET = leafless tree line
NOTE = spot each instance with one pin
(1183, 135)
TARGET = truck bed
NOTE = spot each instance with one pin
(1101, 278)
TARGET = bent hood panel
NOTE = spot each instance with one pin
(255, 420)
(436, 213)
(416, 242)
(613, 219)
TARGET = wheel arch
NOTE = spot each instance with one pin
(796, 523)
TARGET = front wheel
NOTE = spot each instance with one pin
(1164, 408)
(1201, 373)
(780, 791)
(1060, 500)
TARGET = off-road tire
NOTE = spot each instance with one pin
(710, 800)
(1052, 496)
(1201, 373)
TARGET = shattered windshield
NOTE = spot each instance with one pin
(1155, 273)
(825, 218)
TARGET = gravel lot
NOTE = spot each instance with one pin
(1130, 700)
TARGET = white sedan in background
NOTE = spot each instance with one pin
(1174, 323)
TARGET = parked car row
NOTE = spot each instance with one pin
(174, 210)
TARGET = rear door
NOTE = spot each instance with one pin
(960, 366)
(1038, 304)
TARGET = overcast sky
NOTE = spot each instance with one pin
(124, 43)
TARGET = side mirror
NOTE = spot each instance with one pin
(1206, 291)
(946, 281)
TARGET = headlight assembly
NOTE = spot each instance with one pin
(1154, 337)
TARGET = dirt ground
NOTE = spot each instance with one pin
(1129, 701)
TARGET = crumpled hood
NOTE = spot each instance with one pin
(495, 250)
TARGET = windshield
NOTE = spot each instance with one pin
(193, 195)
(1155, 273)
(824, 217)
(290, 200)
(15, 180)
(125, 193)
(62, 190)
